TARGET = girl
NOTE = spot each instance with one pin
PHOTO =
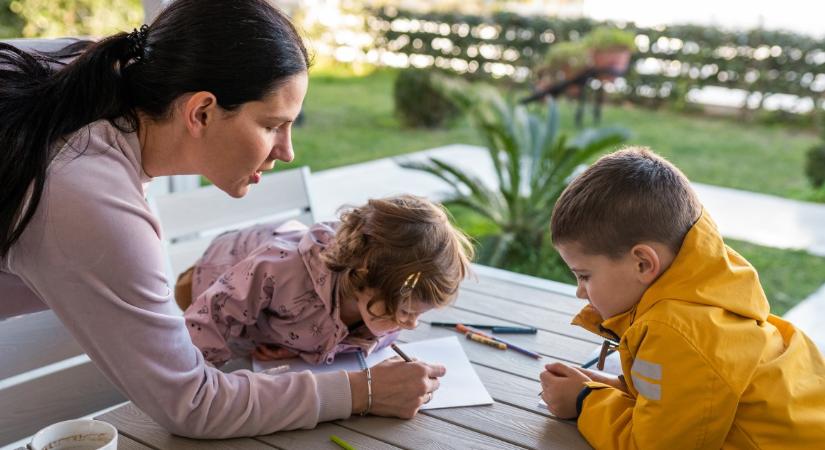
(334, 287)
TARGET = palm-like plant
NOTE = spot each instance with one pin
(533, 162)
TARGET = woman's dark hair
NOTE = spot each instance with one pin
(239, 50)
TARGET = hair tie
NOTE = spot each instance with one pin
(137, 41)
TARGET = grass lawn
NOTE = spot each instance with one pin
(720, 151)
(349, 119)
(788, 276)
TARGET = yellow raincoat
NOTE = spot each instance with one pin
(706, 364)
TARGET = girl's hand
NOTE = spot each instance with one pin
(560, 385)
(269, 352)
(399, 388)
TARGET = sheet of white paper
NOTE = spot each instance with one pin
(459, 387)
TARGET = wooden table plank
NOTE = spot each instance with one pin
(514, 425)
(528, 295)
(496, 309)
(124, 443)
(134, 424)
(546, 343)
(512, 389)
(318, 438)
(423, 432)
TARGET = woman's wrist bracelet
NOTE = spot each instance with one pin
(369, 392)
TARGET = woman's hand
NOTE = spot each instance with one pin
(267, 352)
(399, 388)
(560, 386)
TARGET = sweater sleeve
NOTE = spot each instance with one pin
(93, 254)
(680, 401)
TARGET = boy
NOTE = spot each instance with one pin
(705, 364)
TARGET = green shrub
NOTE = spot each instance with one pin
(532, 160)
(608, 38)
(815, 165)
(419, 101)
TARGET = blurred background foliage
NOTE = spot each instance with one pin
(50, 18)
(11, 25)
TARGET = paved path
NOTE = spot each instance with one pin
(758, 218)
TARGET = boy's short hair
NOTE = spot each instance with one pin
(624, 198)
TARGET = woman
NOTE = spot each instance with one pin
(210, 87)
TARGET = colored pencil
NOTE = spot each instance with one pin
(483, 340)
(466, 329)
(504, 329)
(341, 443)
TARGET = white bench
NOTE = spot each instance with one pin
(44, 375)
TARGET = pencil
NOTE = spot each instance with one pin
(504, 329)
(400, 353)
(341, 443)
(483, 340)
(465, 329)
(514, 330)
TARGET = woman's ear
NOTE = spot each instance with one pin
(647, 263)
(199, 111)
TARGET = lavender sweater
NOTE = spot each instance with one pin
(267, 284)
(93, 254)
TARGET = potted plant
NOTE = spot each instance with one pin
(610, 49)
(563, 61)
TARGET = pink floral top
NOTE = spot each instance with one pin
(267, 284)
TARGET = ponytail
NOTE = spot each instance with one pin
(41, 103)
(238, 50)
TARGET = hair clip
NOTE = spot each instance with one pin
(409, 283)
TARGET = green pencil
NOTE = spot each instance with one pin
(341, 443)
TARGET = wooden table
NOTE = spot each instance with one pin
(514, 421)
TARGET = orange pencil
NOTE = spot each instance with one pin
(485, 341)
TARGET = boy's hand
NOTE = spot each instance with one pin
(560, 385)
(265, 352)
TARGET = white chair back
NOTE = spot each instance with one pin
(191, 219)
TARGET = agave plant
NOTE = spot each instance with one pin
(533, 163)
